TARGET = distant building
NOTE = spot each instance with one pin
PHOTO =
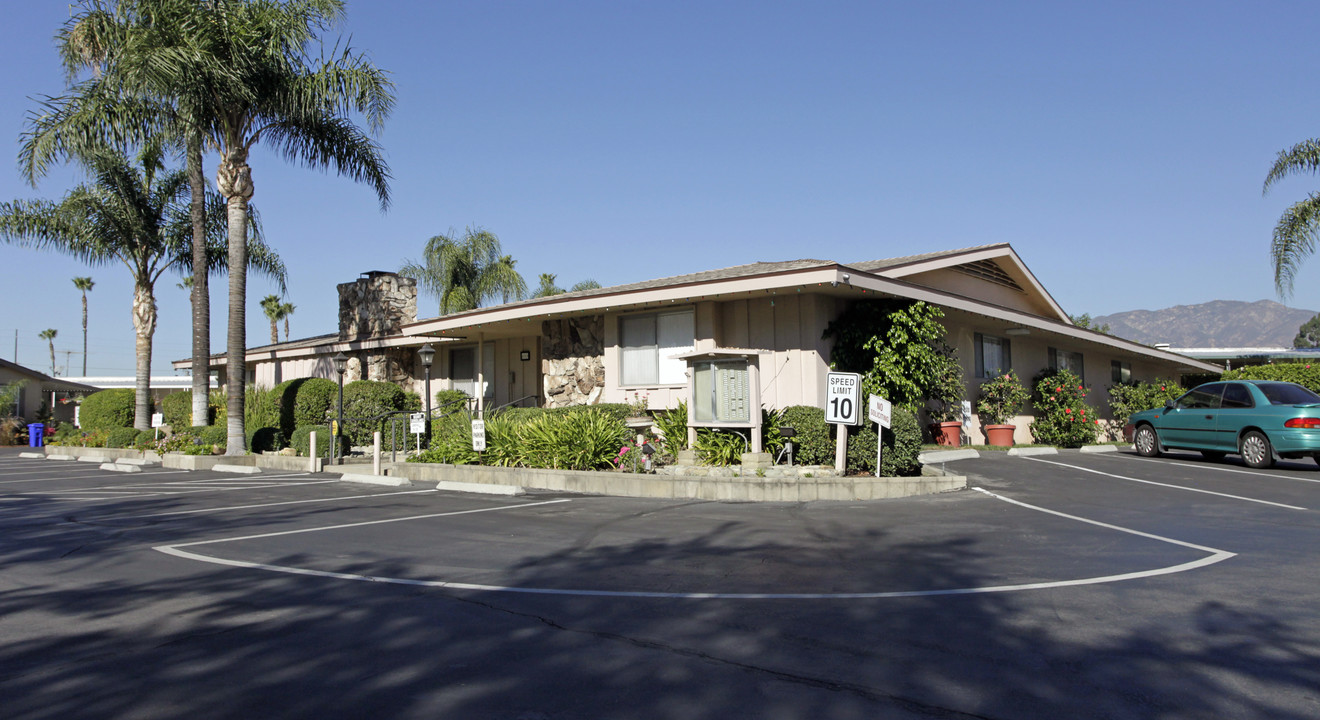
(40, 393)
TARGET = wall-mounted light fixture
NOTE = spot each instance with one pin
(525, 355)
(1018, 331)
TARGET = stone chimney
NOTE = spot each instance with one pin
(376, 305)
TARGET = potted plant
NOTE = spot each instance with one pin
(1002, 397)
(947, 396)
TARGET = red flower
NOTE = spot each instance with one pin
(1068, 410)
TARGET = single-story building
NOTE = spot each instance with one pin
(639, 340)
(39, 394)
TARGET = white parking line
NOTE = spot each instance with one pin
(1217, 468)
(1214, 556)
(261, 505)
(1167, 485)
(150, 490)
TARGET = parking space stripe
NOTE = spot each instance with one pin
(1217, 468)
(1167, 485)
(261, 505)
(1214, 556)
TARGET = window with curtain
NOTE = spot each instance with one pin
(1065, 360)
(1120, 372)
(993, 356)
(647, 343)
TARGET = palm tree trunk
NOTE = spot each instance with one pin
(274, 331)
(51, 340)
(234, 178)
(201, 294)
(84, 333)
(144, 322)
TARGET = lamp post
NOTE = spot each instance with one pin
(341, 364)
(426, 354)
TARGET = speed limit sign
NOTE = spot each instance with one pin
(843, 398)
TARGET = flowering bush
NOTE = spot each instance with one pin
(1128, 398)
(638, 405)
(1062, 416)
(1303, 373)
(1002, 397)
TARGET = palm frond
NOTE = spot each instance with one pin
(1304, 157)
(1294, 241)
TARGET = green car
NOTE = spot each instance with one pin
(1260, 420)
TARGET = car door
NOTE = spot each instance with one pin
(1193, 421)
(1237, 409)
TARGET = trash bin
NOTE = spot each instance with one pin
(36, 432)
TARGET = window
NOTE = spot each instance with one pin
(992, 355)
(721, 392)
(463, 369)
(1206, 397)
(647, 343)
(14, 394)
(1065, 360)
(1236, 395)
(1120, 372)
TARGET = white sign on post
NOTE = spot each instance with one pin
(879, 410)
(417, 423)
(479, 435)
(843, 398)
(157, 419)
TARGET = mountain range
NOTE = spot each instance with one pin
(1215, 324)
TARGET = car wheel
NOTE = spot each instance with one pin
(1256, 451)
(1213, 454)
(1147, 442)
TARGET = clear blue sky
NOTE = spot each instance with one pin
(1120, 147)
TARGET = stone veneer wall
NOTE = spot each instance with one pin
(376, 305)
(384, 364)
(573, 360)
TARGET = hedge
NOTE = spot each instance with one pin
(365, 401)
(1305, 374)
(304, 401)
(902, 447)
(108, 409)
(121, 438)
(177, 409)
(301, 440)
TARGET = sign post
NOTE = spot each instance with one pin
(843, 407)
(417, 426)
(879, 411)
(479, 435)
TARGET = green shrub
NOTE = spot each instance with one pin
(177, 408)
(261, 408)
(1062, 416)
(451, 442)
(814, 443)
(265, 439)
(1128, 398)
(450, 401)
(147, 440)
(580, 438)
(365, 401)
(720, 447)
(1305, 374)
(673, 427)
(300, 440)
(121, 437)
(304, 401)
(108, 409)
(902, 447)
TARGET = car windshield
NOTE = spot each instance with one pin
(1288, 394)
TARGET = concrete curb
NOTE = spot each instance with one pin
(237, 469)
(121, 468)
(376, 480)
(483, 488)
(94, 459)
(139, 462)
(1027, 452)
(943, 456)
(61, 457)
(33, 456)
(1099, 448)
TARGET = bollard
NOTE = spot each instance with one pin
(311, 438)
(375, 463)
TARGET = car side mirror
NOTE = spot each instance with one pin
(1169, 405)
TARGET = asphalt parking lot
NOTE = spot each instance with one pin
(1075, 585)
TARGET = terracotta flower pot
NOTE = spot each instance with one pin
(949, 433)
(1000, 435)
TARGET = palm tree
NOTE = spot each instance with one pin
(134, 214)
(200, 61)
(466, 272)
(84, 284)
(49, 336)
(285, 311)
(271, 306)
(547, 287)
(585, 285)
(1295, 233)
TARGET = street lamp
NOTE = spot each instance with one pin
(341, 364)
(426, 354)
